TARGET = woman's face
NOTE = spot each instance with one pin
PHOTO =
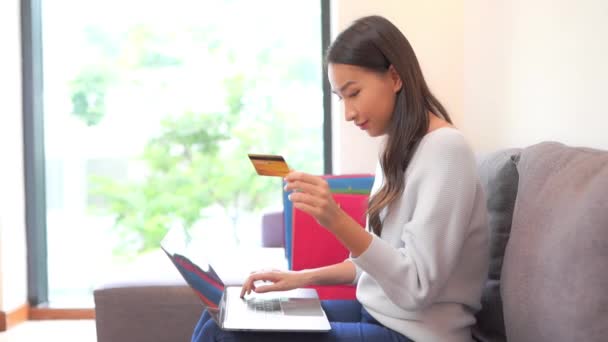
(368, 97)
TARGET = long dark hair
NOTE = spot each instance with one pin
(375, 43)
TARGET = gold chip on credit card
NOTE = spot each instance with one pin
(269, 165)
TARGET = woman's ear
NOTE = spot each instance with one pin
(395, 78)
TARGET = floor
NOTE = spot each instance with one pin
(65, 331)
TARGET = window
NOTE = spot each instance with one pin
(149, 110)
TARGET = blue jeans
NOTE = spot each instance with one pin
(349, 322)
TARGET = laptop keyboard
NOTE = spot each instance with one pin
(267, 306)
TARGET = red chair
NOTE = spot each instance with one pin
(313, 246)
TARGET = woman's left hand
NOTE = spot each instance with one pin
(312, 195)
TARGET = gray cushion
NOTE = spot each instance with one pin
(554, 278)
(499, 178)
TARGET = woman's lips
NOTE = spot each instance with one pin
(363, 125)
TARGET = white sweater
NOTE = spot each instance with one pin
(424, 276)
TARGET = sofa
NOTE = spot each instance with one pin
(548, 279)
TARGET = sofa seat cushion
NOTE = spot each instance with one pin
(554, 276)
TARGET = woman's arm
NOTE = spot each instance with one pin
(341, 273)
(336, 274)
(350, 234)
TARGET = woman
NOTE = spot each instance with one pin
(421, 264)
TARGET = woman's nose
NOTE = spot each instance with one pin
(350, 113)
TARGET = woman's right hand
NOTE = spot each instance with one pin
(281, 281)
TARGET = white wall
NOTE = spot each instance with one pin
(435, 31)
(13, 274)
(486, 78)
(536, 70)
(511, 73)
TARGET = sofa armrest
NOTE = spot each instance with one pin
(146, 312)
(147, 300)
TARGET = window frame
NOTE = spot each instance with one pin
(33, 141)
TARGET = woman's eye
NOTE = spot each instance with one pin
(355, 93)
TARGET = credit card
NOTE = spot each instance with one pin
(269, 165)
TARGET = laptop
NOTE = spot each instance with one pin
(297, 310)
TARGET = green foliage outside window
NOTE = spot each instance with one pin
(199, 158)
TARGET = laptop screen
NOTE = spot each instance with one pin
(205, 283)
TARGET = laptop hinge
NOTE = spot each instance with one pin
(222, 308)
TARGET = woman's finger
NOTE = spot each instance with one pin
(301, 197)
(266, 276)
(310, 210)
(268, 288)
(248, 285)
(305, 177)
(303, 187)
